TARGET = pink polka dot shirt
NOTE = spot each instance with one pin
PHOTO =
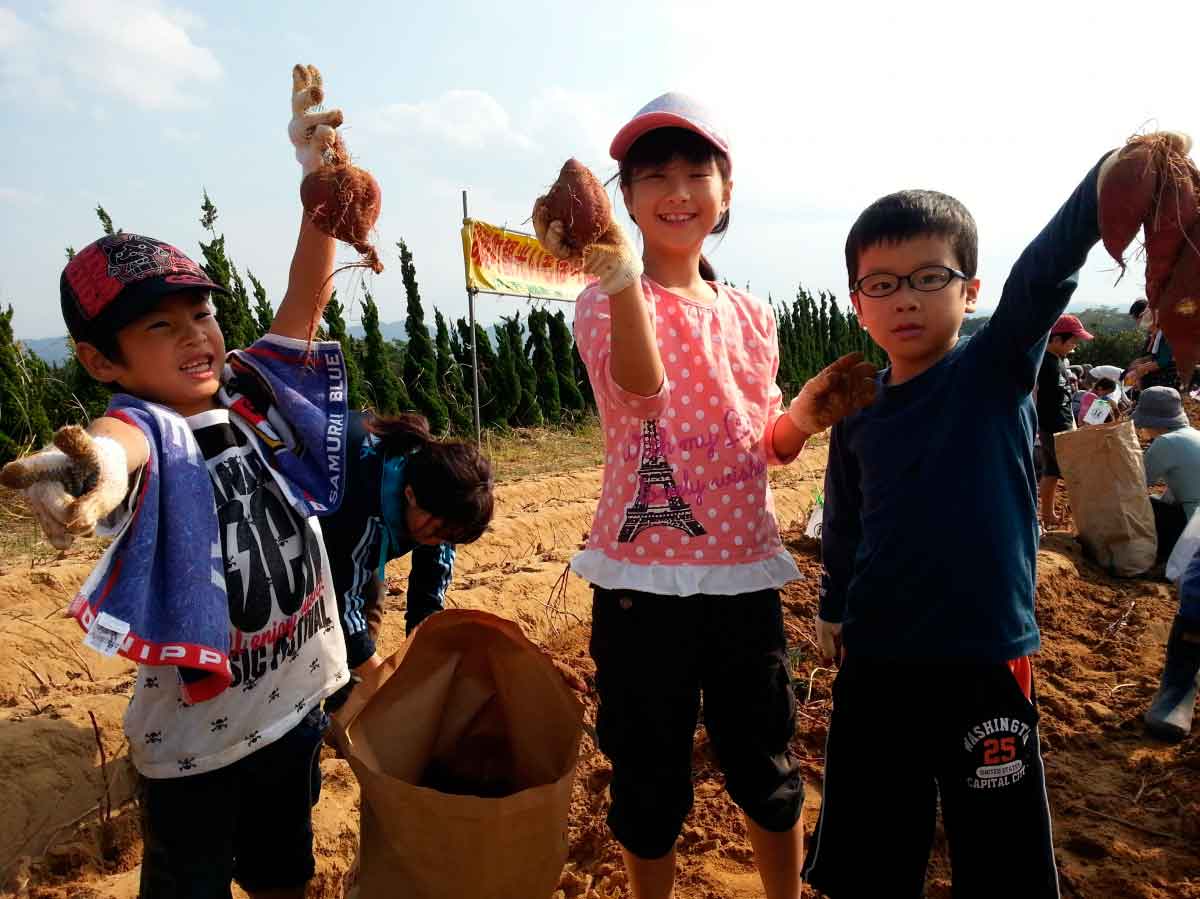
(685, 505)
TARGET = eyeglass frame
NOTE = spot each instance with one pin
(856, 287)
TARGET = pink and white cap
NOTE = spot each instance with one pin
(671, 110)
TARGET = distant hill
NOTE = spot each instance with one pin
(1101, 320)
(52, 350)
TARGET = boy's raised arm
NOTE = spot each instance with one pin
(309, 280)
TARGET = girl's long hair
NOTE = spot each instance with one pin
(449, 478)
(660, 146)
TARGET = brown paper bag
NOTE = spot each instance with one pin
(465, 752)
(1106, 480)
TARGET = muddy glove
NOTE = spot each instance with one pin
(72, 485)
(829, 639)
(313, 134)
(833, 393)
(612, 259)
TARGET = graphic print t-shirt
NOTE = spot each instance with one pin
(286, 648)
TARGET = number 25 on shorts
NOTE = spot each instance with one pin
(999, 751)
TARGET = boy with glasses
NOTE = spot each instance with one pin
(929, 543)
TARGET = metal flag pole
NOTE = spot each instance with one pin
(474, 336)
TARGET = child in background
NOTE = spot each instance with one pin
(210, 470)
(684, 553)
(1103, 392)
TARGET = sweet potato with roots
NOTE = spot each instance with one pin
(1126, 197)
(1179, 306)
(579, 201)
(1175, 210)
(344, 201)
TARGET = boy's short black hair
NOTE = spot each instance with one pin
(1106, 384)
(915, 213)
(1138, 307)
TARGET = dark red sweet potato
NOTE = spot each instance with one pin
(1126, 197)
(1179, 305)
(1174, 212)
(344, 201)
(579, 201)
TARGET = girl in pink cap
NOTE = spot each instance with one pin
(684, 552)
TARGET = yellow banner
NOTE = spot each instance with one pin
(507, 262)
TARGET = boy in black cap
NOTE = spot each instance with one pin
(210, 470)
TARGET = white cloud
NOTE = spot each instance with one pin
(140, 52)
(465, 119)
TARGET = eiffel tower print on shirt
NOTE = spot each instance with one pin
(655, 472)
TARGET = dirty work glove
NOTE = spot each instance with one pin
(612, 259)
(829, 639)
(313, 134)
(838, 390)
(72, 485)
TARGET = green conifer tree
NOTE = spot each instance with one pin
(493, 408)
(420, 361)
(529, 413)
(450, 380)
(538, 349)
(569, 393)
(380, 383)
(264, 314)
(105, 222)
(24, 425)
(506, 387)
(233, 311)
(582, 378)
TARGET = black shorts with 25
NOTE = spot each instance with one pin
(902, 735)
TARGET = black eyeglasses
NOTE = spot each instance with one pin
(927, 279)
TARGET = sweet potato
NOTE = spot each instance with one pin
(579, 201)
(1175, 210)
(1179, 305)
(344, 201)
(1126, 197)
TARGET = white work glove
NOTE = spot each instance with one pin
(612, 259)
(73, 485)
(313, 134)
(829, 639)
(838, 390)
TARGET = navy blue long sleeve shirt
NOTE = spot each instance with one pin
(929, 539)
(354, 537)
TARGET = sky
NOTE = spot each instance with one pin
(141, 106)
